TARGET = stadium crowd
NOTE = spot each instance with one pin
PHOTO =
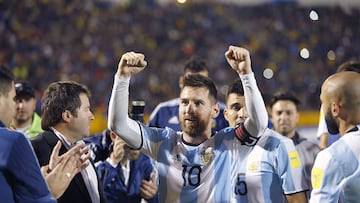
(45, 41)
(69, 50)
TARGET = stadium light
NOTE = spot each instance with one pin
(304, 53)
(314, 15)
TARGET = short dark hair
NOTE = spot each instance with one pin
(349, 66)
(195, 65)
(6, 79)
(284, 95)
(236, 87)
(58, 97)
(197, 80)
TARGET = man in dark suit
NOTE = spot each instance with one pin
(66, 116)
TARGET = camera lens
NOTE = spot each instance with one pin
(137, 110)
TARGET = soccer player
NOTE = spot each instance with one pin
(336, 173)
(272, 167)
(194, 165)
(322, 134)
(166, 113)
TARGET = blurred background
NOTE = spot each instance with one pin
(294, 44)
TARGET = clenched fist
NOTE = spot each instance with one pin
(131, 63)
(239, 59)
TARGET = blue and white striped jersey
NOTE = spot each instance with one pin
(203, 173)
(271, 168)
(336, 172)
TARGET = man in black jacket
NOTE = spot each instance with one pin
(66, 116)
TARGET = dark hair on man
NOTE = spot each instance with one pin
(197, 80)
(236, 87)
(284, 95)
(59, 97)
(195, 64)
(349, 66)
(6, 79)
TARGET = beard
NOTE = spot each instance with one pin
(331, 124)
(283, 131)
(23, 117)
(195, 128)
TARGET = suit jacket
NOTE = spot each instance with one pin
(43, 145)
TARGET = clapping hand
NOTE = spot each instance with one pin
(62, 169)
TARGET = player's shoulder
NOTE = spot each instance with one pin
(169, 103)
(326, 156)
(346, 144)
(173, 103)
(352, 136)
(335, 152)
(272, 134)
(273, 139)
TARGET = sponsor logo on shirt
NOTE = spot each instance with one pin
(294, 159)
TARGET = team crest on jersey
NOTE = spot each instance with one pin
(207, 155)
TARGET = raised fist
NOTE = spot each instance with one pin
(131, 63)
(239, 59)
